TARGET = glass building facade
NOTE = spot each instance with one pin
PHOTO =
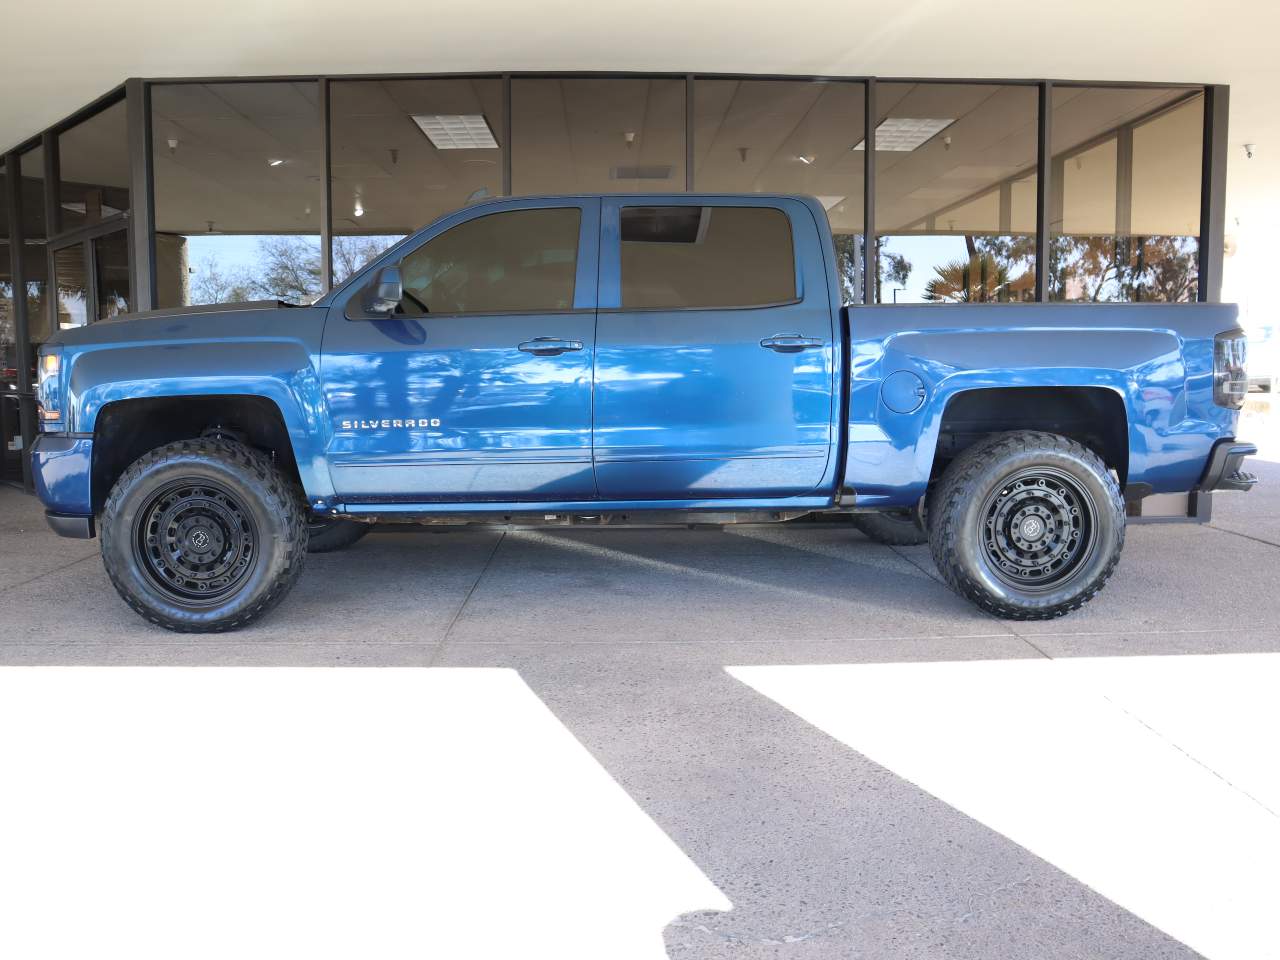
(168, 193)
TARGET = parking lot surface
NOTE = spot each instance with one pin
(795, 742)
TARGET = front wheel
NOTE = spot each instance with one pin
(203, 535)
(1027, 525)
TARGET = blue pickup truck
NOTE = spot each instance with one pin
(628, 359)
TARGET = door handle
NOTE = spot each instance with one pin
(790, 342)
(549, 346)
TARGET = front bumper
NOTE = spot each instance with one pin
(1225, 469)
(61, 466)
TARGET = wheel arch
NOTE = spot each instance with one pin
(124, 430)
(1095, 416)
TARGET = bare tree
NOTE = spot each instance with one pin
(213, 284)
(290, 268)
(350, 254)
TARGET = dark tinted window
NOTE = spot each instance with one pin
(518, 261)
(686, 256)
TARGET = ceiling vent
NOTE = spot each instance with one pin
(653, 171)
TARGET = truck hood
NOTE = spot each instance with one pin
(257, 317)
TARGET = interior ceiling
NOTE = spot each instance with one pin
(246, 157)
(1230, 42)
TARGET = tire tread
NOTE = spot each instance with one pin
(957, 486)
(242, 458)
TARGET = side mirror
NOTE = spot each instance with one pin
(385, 293)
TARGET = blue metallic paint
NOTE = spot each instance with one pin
(60, 466)
(1157, 358)
(510, 425)
(689, 412)
(689, 403)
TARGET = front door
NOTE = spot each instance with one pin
(479, 386)
(714, 350)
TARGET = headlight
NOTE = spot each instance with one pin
(48, 386)
(1230, 381)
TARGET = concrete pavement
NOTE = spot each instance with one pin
(626, 636)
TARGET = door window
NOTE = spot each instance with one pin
(706, 257)
(517, 261)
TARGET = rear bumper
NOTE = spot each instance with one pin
(1225, 469)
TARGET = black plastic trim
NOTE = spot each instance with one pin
(77, 528)
(1223, 471)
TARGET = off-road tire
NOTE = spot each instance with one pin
(325, 535)
(897, 528)
(264, 516)
(969, 534)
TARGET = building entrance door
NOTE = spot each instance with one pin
(90, 278)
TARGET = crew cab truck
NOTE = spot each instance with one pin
(615, 359)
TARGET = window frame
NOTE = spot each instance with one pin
(611, 247)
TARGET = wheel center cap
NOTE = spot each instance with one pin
(200, 540)
(1032, 528)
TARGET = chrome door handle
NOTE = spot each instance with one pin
(549, 346)
(790, 342)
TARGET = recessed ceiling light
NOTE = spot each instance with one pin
(806, 160)
(274, 163)
(358, 209)
(456, 131)
(904, 134)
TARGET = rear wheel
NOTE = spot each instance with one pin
(1027, 525)
(203, 535)
(325, 535)
(898, 528)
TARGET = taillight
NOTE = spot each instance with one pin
(1230, 381)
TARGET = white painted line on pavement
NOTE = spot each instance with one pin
(1153, 780)
(317, 813)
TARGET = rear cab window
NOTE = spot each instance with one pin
(705, 257)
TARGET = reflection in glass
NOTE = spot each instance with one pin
(955, 192)
(1125, 211)
(93, 168)
(71, 283)
(8, 332)
(406, 152)
(238, 171)
(787, 136)
(587, 135)
(111, 263)
(35, 269)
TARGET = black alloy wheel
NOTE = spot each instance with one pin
(203, 535)
(195, 541)
(1040, 527)
(1027, 525)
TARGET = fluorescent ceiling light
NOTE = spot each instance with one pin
(904, 134)
(456, 131)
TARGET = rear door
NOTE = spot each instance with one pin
(479, 387)
(714, 350)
